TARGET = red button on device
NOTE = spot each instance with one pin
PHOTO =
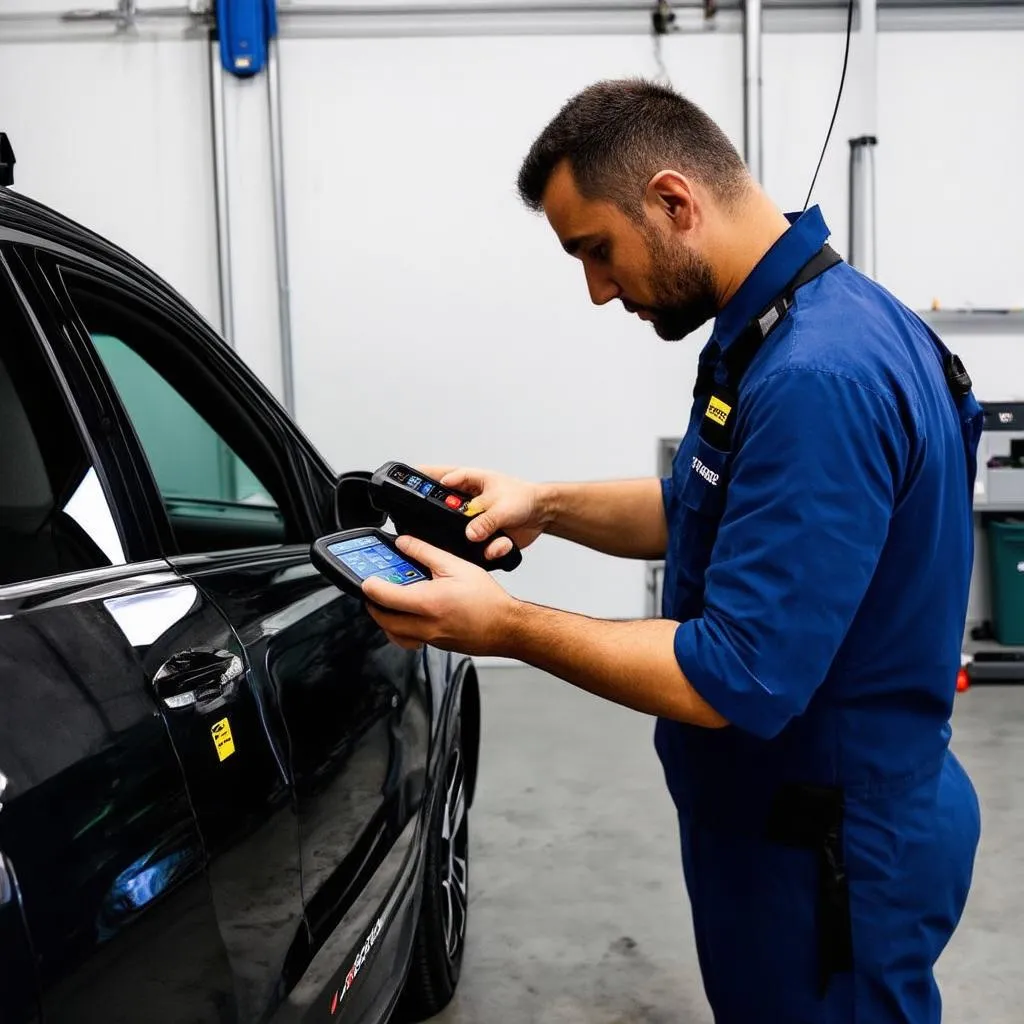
(453, 501)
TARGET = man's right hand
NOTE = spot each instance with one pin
(625, 518)
(503, 503)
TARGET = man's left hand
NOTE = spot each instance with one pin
(461, 609)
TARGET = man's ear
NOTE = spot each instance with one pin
(671, 194)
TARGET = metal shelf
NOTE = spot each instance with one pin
(999, 508)
(993, 662)
(988, 321)
(973, 647)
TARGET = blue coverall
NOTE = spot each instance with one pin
(820, 576)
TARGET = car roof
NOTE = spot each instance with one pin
(23, 218)
(19, 213)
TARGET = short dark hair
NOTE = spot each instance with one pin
(617, 135)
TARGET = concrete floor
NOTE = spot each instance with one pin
(578, 913)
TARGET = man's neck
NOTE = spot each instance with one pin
(749, 231)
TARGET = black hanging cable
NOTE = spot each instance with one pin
(663, 20)
(839, 96)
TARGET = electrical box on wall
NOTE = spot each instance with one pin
(244, 29)
(1000, 480)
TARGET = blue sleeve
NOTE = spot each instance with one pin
(819, 460)
(666, 492)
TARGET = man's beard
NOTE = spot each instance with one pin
(684, 289)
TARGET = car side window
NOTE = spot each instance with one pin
(215, 497)
(189, 460)
(54, 514)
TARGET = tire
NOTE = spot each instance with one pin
(441, 928)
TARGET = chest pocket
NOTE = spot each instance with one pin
(707, 477)
(703, 490)
(701, 478)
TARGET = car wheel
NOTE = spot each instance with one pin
(441, 929)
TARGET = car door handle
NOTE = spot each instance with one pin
(202, 678)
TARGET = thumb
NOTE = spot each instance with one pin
(437, 560)
(483, 525)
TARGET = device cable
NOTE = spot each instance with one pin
(839, 96)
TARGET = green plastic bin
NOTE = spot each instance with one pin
(1006, 553)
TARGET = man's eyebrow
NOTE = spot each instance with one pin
(573, 245)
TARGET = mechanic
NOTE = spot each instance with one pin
(817, 534)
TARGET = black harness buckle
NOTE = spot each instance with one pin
(957, 377)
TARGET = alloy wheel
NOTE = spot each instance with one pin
(454, 857)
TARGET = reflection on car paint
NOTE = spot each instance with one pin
(144, 618)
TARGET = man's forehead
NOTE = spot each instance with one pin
(574, 218)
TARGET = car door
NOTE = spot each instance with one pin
(19, 985)
(226, 736)
(351, 709)
(105, 908)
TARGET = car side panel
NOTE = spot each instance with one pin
(356, 711)
(96, 818)
(19, 988)
(230, 744)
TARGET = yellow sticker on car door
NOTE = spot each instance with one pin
(222, 739)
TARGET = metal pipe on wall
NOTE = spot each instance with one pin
(862, 247)
(753, 150)
(280, 227)
(220, 185)
(478, 7)
(125, 15)
(862, 182)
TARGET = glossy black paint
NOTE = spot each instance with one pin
(97, 820)
(19, 985)
(160, 880)
(241, 796)
(353, 715)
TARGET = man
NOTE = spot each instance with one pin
(818, 540)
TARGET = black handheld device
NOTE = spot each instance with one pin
(422, 507)
(350, 557)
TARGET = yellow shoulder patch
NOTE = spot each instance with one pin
(718, 411)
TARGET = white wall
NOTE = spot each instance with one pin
(435, 318)
(115, 134)
(950, 159)
(419, 281)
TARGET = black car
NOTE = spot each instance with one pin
(225, 796)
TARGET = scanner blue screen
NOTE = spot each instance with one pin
(368, 556)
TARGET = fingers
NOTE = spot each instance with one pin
(438, 561)
(392, 597)
(409, 645)
(464, 479)
(483, 525)
(459, 477)
(498, 549)
(395, 627)
(436, 472)
(412, 598)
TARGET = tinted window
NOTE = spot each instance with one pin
(54, 515)
(188, 458)
(215, 471)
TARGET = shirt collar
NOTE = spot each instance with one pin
(806, 234)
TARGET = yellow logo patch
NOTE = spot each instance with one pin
(718, 411)
(222, 739)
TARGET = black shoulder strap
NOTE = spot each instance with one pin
(741, 352)
(717, 423)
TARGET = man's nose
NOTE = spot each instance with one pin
(602, 288)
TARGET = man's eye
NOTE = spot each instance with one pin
(600, 252)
